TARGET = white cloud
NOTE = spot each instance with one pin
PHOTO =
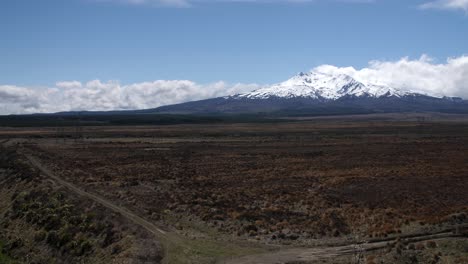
(421, 75)
(68, 84)
(111, 95)
(14, 99)
(447, 4)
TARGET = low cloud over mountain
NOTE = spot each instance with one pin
(423, 75)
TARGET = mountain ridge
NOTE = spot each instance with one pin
(321, 93)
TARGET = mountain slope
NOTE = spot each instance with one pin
(319, 93)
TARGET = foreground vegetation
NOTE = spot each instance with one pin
(44, 224)
(4, 258)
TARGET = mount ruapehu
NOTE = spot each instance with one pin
(316, 93)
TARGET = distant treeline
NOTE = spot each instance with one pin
(52, 120)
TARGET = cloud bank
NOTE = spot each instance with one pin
(423, 75)
(447, 4)
(111, 95)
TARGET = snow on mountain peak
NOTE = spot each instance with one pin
(318, 85)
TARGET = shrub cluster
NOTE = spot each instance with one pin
(60, 224)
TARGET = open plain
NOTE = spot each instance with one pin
(381, 189)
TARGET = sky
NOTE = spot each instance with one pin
(60, 55)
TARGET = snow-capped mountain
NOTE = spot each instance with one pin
(316, 85)
(316, 93)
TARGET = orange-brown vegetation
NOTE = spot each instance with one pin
(283, 181)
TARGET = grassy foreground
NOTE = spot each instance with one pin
(4, 259)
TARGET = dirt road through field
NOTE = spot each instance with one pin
(128, 214)
(295, 255)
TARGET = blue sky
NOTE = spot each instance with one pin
(258, 41)
(61, 55)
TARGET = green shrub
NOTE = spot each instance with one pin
(84, 246)
(40, 236)
(64, 237)
(52, 238)
(53, 222)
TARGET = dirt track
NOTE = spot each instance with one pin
(129, 215)
(322, 253)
